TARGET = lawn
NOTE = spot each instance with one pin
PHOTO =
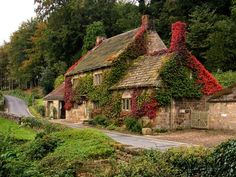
(14, 130)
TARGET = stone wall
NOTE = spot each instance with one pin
(222, 115)
(80, 112)
(11, 117)
(163, 120)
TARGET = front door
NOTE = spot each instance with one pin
(63, 111)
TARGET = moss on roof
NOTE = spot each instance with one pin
(104, 54)
(144, 72)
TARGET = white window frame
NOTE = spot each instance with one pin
(126, 104)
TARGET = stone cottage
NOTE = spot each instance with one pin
(130, 75)
(54, 103)
(222, 109)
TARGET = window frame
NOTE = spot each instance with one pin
(97, 78)
(126, 104)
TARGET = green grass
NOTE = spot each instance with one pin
(75, 146)
(34, 108)
(59, 152)
(8, 127)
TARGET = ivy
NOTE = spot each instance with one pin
(178, 81)
(134, 50)
(143, 104)
(68, 96)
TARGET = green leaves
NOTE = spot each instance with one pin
(178, 81)
(92, 31)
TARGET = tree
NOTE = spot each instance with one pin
(92, 31)
(222, 52)
(202, 21)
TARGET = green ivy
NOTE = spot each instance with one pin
(176, 81)
(111, 103)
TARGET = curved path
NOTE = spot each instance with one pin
(16, 106)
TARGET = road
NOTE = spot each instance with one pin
(17, 106)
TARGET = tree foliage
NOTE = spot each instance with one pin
(65, 29)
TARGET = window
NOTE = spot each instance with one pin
(97, 79)
(126, 104)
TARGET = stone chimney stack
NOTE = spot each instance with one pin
(178, 39)
(99, 40)
(145, 22)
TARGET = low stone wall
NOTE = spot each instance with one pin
(222, 116)
(11, 117)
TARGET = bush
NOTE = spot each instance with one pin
(32, 123)
(223, 160)
(41, 110)
(150, 164)
(191, 161)
(100, 120)
(41, 146)
(133, 124)
(2, 101)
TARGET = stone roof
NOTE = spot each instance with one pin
(57, 94)
(144, 72)
(225, 95)
(105, 53)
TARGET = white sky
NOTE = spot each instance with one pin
(12, 14)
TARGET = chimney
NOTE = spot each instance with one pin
(99, 40)
(178, 39)
(145, 22)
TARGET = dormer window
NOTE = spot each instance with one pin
(97, 79)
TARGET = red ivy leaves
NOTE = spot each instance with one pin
(148, 108)
(209, 83)
(68, 95)
(178, 44)
(178, 39)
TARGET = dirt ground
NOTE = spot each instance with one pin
(207, 138)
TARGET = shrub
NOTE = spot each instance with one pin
(41, 146)
(223, 160)
(191, 161)
(2, 101)
(150, 164)
(133, 124)
(41, 110)
(100, 120)
(32, 123)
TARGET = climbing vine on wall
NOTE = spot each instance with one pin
(143, 104)
(68, 97)
(178, 81)
(122, 63)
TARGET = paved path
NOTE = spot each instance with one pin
(17, 106)
(134, 141)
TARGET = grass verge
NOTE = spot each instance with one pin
(8, 127)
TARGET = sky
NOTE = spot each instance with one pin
(12, 14)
